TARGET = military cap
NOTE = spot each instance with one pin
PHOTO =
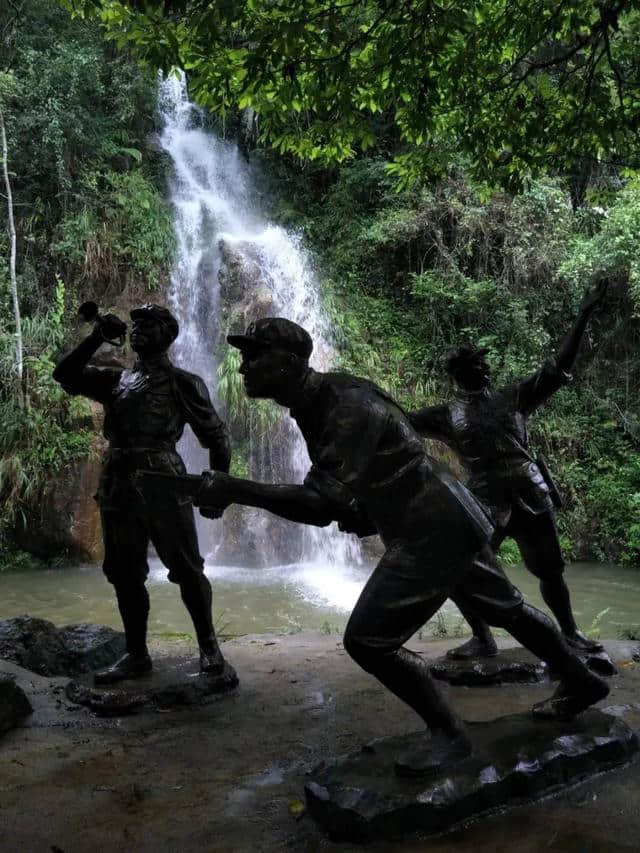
(158, 313)
(465, 355)
(274, 333)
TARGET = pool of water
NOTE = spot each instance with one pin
(292, 598)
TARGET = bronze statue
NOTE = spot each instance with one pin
(488, 430)
(146, 409)
(370, 473)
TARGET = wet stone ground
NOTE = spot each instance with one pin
(229, 775)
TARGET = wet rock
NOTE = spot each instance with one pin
(254, 539)
(14, 705)
(511, 666)
(243, 289)
(600, 663)
(34, 644)
(91, 646)
(173, 682)
(515, 759)
(67, 519)
(372, 549)
(38, 645)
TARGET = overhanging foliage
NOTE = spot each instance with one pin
(518, 87)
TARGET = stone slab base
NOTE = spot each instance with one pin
(515, 759)
(510, 666)
(173, 682)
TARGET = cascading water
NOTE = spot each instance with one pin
(233, 266)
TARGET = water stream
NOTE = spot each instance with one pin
(292, 598)
(224, 239)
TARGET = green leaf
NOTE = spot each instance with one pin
(132, 152)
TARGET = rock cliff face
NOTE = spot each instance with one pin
(244, 293)
(251, 537)
(67, 519)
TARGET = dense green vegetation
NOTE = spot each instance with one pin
(91, 222)
(407, 275)
(414, 275)
(517, 87)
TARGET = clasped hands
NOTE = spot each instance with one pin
(214, 495)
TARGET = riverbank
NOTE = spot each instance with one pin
(229, 775)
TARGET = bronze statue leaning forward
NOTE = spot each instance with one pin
(370, 473)
(487, 428)
(146, 409)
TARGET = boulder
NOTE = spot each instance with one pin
(239, 274)
(38, 645)
(14, 705)
(67, 519)
(244, 293)
(255, 539)
(91, 647)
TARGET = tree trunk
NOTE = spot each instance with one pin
(12, 265)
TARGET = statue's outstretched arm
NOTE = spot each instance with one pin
(293, 502)
(78, 377)
(536, 389)
(569, 347)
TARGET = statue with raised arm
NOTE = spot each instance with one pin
(371, 473)
(146, 408)
(487, 429)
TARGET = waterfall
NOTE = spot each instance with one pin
(233, 266)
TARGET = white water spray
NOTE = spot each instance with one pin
(213, 200)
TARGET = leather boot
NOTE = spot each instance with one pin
(211, 658)
(128, 666)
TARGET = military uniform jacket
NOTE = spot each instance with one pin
(488, 431)
(146, 408)
(364, 450)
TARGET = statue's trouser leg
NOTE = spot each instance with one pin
(396, 601)
(196, 594)
(537, 538)
(407, 676)
(133, 604)
(555, 593)
(173, 532)
(528, 625)
(480, 627)
(126, 541)
(410, 584)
